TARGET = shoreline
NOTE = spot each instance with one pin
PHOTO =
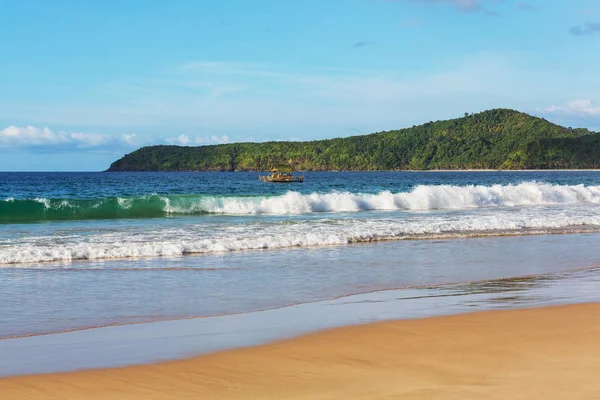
(369, 170)
(341, 297)
(503, 170)
(148, 343)
(526, 353)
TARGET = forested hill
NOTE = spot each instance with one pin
(494, 139)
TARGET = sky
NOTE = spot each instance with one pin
(84, 82)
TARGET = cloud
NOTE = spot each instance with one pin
(40, 138)
(185, 140)
(220, 139)
(577, 108)
(589, 28)
(363, 44)
(182, 140)
(32, 136)
(129, 139)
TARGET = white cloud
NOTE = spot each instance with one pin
(582, 108)
(88, 139)
(31, 136)
(220, 139)
(185, 140)
(182, 140)
(129, 138)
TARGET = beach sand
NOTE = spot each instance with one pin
(546, 353)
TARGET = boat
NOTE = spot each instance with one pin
(281, 175)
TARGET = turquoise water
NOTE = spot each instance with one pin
(36, 197)
(80, 250)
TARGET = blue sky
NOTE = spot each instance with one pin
(83, 82)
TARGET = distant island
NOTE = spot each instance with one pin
(494, 139)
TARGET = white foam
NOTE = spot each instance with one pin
(420, 198)
(217, 237)
(124, 203)
(44, 201)
(424, 197)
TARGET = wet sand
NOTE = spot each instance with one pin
(519, 354)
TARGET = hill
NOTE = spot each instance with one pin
(494, 139)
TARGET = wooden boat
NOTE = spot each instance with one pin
(281, 175)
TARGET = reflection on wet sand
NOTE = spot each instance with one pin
(144, 343)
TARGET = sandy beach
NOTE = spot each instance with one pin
(519, 354)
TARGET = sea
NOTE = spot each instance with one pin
(91, 250)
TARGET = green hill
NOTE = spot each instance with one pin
(494, 139)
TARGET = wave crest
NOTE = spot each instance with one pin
(423, 197)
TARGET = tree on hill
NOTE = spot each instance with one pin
(493, 139)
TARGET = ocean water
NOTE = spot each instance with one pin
(81, 250)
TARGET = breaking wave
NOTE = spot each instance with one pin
(212, 238)
(422, 197)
